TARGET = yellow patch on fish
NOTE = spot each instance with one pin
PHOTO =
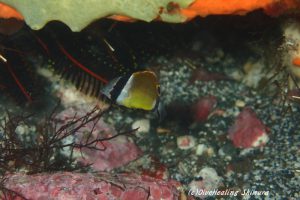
(139, 91)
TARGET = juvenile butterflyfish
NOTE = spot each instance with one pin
(140, 90)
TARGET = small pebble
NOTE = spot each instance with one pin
(208, 180)
(200, 149)
(186, 142)
(240, 103)
(210, 152)
(143, 125)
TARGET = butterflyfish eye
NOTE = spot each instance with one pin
(140, 90)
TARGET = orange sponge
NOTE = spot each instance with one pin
(296, 61)
(204, 8)
(7, 12)
(224, 7)
(217, 7)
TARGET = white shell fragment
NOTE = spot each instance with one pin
(186, 142)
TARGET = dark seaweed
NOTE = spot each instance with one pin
(42, 151)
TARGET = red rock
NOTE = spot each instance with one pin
(157, 170)
(203, 108)
(248, 131)
(75, 186)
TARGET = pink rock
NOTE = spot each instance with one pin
(248, 131)
(116, 152)
(137, 194)
(76, 186)
(203, 108)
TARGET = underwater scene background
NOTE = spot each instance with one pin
(206, 109)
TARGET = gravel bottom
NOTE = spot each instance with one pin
(273, 167)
